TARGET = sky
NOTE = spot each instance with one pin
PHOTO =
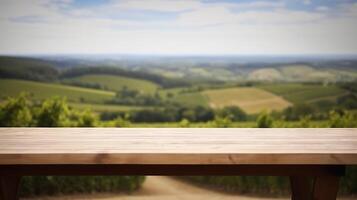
(178, 27)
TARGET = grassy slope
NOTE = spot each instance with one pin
(300, 73)
(116, 83)
(12, 87)
(192, 99)
(301, 93)
(107, 108)
(187, 98)
(251, 100)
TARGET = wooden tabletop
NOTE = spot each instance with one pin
(177, 146)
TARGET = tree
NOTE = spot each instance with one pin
(122, 121)
(234, 113)
(184, 123)
(16, 112)
(342, 119)
(85, 119)
(221, 122)
(264, 120)
(54, 113)
(298, 111)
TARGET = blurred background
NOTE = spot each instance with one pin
(176, 63)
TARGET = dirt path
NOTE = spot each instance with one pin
(164, 188)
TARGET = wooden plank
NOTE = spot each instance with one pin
(175, 170)
(177, 146)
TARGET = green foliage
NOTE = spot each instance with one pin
(184, 123)
(113, 83)
(304, 93)
(342, 119)
(41, 91)
(122, 121)
(84, 119)
(55, 185)
(246, 184)
(16, 112)
(234, 113)
(348, 101)
(27, 68)
(127, 96)
(219, 122)
(348, 184)
(53, 113)
(276, 186)
(196, 113)
(305, 122)
(264, 120)
(298, 111)
(173, 113)
(101, 70)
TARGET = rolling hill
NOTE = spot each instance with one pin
(251, 100)
(116, 83)
(106, 107)
(301, 73)
(304, 93)
(39, 90)
(27, 68)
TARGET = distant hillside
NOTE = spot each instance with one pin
(251, 100)
(12, 87)
(27, 68)
(50, 70)
(183, 71)
(302, 73)
(102, 70)
(305, 93)
(114, 83)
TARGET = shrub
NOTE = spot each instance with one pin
(264, 120)
(221, 122)
(122, 121)
(54, 113)
(234, 113)
(184, 123)
(342, 119)
(16, 112)
(84, 119)
(55, 185)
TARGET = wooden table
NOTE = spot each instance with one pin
(302, 154)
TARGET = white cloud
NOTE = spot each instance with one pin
(157, 5)
(201, 28)
(307, 2)
(322, 8)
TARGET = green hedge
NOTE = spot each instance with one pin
(55, 185)
(260, 185)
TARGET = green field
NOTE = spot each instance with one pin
(40, 90)
(192, 99)
(107, 107)
(304, 93)
(251, 100)
(298, 73)
(116, 83)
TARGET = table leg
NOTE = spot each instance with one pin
(325, 188)
(9, 187)
(300, 188)
(322, 188)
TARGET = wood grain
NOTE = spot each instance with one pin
(177, 146)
